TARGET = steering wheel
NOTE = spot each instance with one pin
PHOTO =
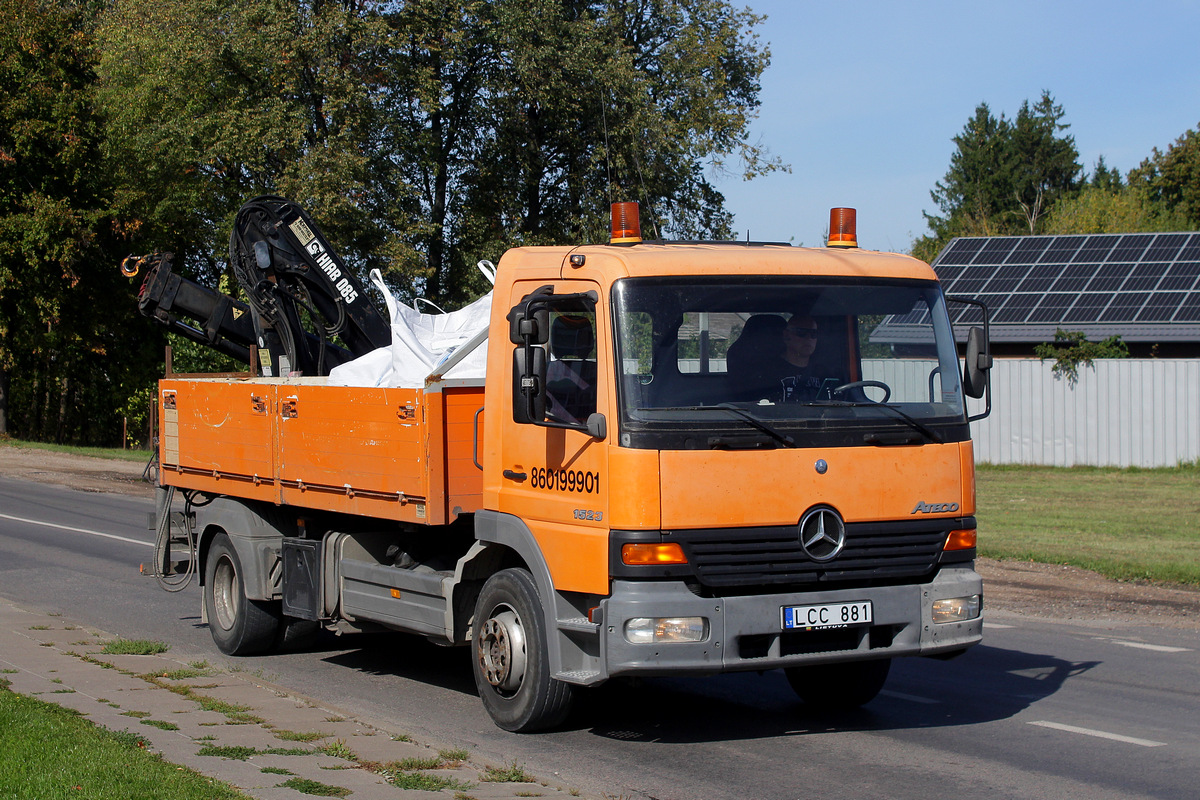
(845, 387)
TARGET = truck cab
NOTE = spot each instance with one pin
(693, 507)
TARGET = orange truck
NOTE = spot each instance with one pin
(628, 490)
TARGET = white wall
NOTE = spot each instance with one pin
(1121, 412)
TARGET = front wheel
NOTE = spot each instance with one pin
(240, 626)
(832, 687)
(511, 664)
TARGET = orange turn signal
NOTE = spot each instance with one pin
(961, 540)
(636, 555)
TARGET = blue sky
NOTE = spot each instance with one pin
(863, 98)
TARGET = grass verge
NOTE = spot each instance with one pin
(1128, 524)
(51, 753)
(91, 452)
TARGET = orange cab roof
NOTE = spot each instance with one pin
(665, 259)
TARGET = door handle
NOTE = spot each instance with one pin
(519, 477)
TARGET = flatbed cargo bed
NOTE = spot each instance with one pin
(390, 453)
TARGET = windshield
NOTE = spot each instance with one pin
(785, 362)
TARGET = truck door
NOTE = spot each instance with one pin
(555, 470)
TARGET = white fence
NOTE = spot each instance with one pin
(1121, 412)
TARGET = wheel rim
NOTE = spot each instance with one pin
(225, 593)
(501, 650)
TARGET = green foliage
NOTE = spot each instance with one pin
(212, 102)
(157, 723)
(526, 118)
(1127, 209)
(423, 135)
(309, 786)
(52, 753)
(1071, 348)
(135, 647)
(1005, 175)
(513, 773)
(1172, 178)
(67, 358)
(91, 452)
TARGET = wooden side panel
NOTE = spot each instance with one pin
(217, 436)
(353, 449)
(464, 480)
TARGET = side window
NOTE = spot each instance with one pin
(637, 343)
(571, 370)
(704, 339)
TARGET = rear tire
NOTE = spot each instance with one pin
(511, 664)
(239, 626)
(833, 687)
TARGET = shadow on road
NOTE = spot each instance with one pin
(986, 684)
(410, 657)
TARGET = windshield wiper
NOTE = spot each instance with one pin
(753, 421)
(871, 438)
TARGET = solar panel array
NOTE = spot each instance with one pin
(1075, 281)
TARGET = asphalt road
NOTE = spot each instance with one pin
(1041, 709)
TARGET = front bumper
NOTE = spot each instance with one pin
(745, 633)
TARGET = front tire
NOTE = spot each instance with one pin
(838, 687)
(239, 626)
(511, 664)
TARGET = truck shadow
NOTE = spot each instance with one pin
(401, 656)
(986, 684)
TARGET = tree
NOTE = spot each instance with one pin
(1043, 159)
(1129, 209)
(1004, 176)
(530, 116)
(213, 102)
(1172, 178)
(65, 311)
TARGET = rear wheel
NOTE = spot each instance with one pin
(511, 664)
(831, 687)
(238, 625)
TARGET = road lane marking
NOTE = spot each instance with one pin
(76, 530)
(1158, 648)
(996, 625)
(912, 698)
(1116, 737)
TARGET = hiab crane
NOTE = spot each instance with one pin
(287, 269)
(614, 494)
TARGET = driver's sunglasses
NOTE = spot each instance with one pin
(802, 333)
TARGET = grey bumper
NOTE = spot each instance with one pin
(745, 632)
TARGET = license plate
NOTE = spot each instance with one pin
(829, 615)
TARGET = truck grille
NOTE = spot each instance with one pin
(755, 556)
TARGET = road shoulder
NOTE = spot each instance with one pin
(236, 727)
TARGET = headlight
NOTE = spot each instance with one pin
(957, 609)
(651, 630)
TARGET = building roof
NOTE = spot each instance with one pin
(1144, 287)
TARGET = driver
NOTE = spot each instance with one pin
(801, 380)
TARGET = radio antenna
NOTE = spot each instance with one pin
(607, 160)
(642, 185)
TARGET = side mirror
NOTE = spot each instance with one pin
(529, 385)
(597, 426)
(529, 320)
(978, 364)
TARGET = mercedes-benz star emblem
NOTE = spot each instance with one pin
(822, 534)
